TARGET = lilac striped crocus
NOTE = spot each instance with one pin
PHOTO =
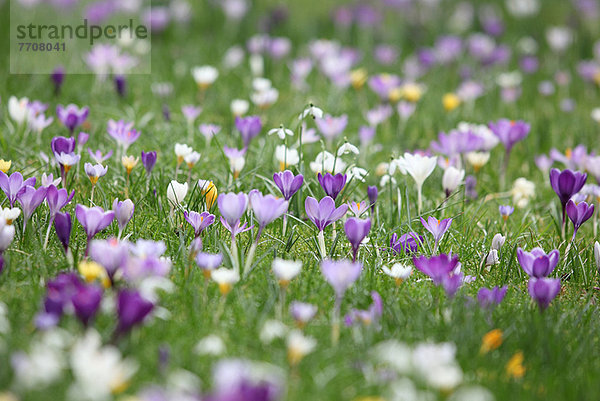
(13, 185)
(332, 184)
(199, 221)
(287, 183)
(356, 231)
(537, 263)
(543, 290)
(437, 228)
(232, 207)
(322, 214)
(93, 220)
(71, 116)
(123, 213)
(30, 198)
(579, 213)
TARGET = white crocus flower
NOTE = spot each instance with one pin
(477, 159)
(176, 192)
(205, 76)
(419, 167)
(272, 330)
(239, 107)
(210, 345)
(299, 346)
(225, 278)
(498, 241)
(399, 272)
(18, 109)
(181, 151)
(10, 214)
(286, 270)
(452, 179)
(281, 132)
(522, 191)
(192, 159)
(286, 157)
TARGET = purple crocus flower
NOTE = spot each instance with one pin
(62, 226)
(61, 144)
(30, 198)
(208, 262)
(505, 211)
(543, 290)
(537, 263)
(406, 243)
(332, 184)
(452, 283)
(12, 186)
(438, 267)
(57, 199)
(302, 312)
(331, 126)
(122, 132)
(437, 228)
(132, 309)
(287, 183)
(372, 194)
(111, 253)
(369, 316)
(59, 295)
(120, 85)
(340, 274)
(71, 116)
(123, 212)
(488, 298)
(58, 77)
(249, 127)
(148, 160)
(190, 112)
(98, 157)
(86, 303)
(232, 206)
(356, 231)
(457, 142)
(509, 132)
(579, 213)
(324, 213)
(566, 183)
(199, 221)
(266, 208)
(93, 220)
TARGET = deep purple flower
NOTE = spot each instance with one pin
(356, 231)
(71, 116)
(452, 283)
(437, 267)
(148, 160)
(57, 199)
(12, 186)
(340, 274)
(509, 132)
(248, 127)
(86, 303)
(199, 221)
(372, 194)
(123, 212)
(579, 213)
(436, 227)
(566, 183)
(369, 316)
(488, 298)
(132, 309)
(324, 213)
(61, 144)
(287, 183)
(120, 85)
(543, 290)
(93, 220)
(58, 77)
(266, 208)
(62, 226)
(537, 263)
(332, 184)
(30, 198)
(407, 243)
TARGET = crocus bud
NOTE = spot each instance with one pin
(492, 258)
(123, 212)
(62, 225)
(86, 303)
(451, 179)
(7, 233)
(82, 139)
(372, 193)
(132, 309)
(148, 160)
(58, 77)
(120, 85)
(498, 241)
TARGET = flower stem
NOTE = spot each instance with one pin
(321, 239)
(48, 233)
